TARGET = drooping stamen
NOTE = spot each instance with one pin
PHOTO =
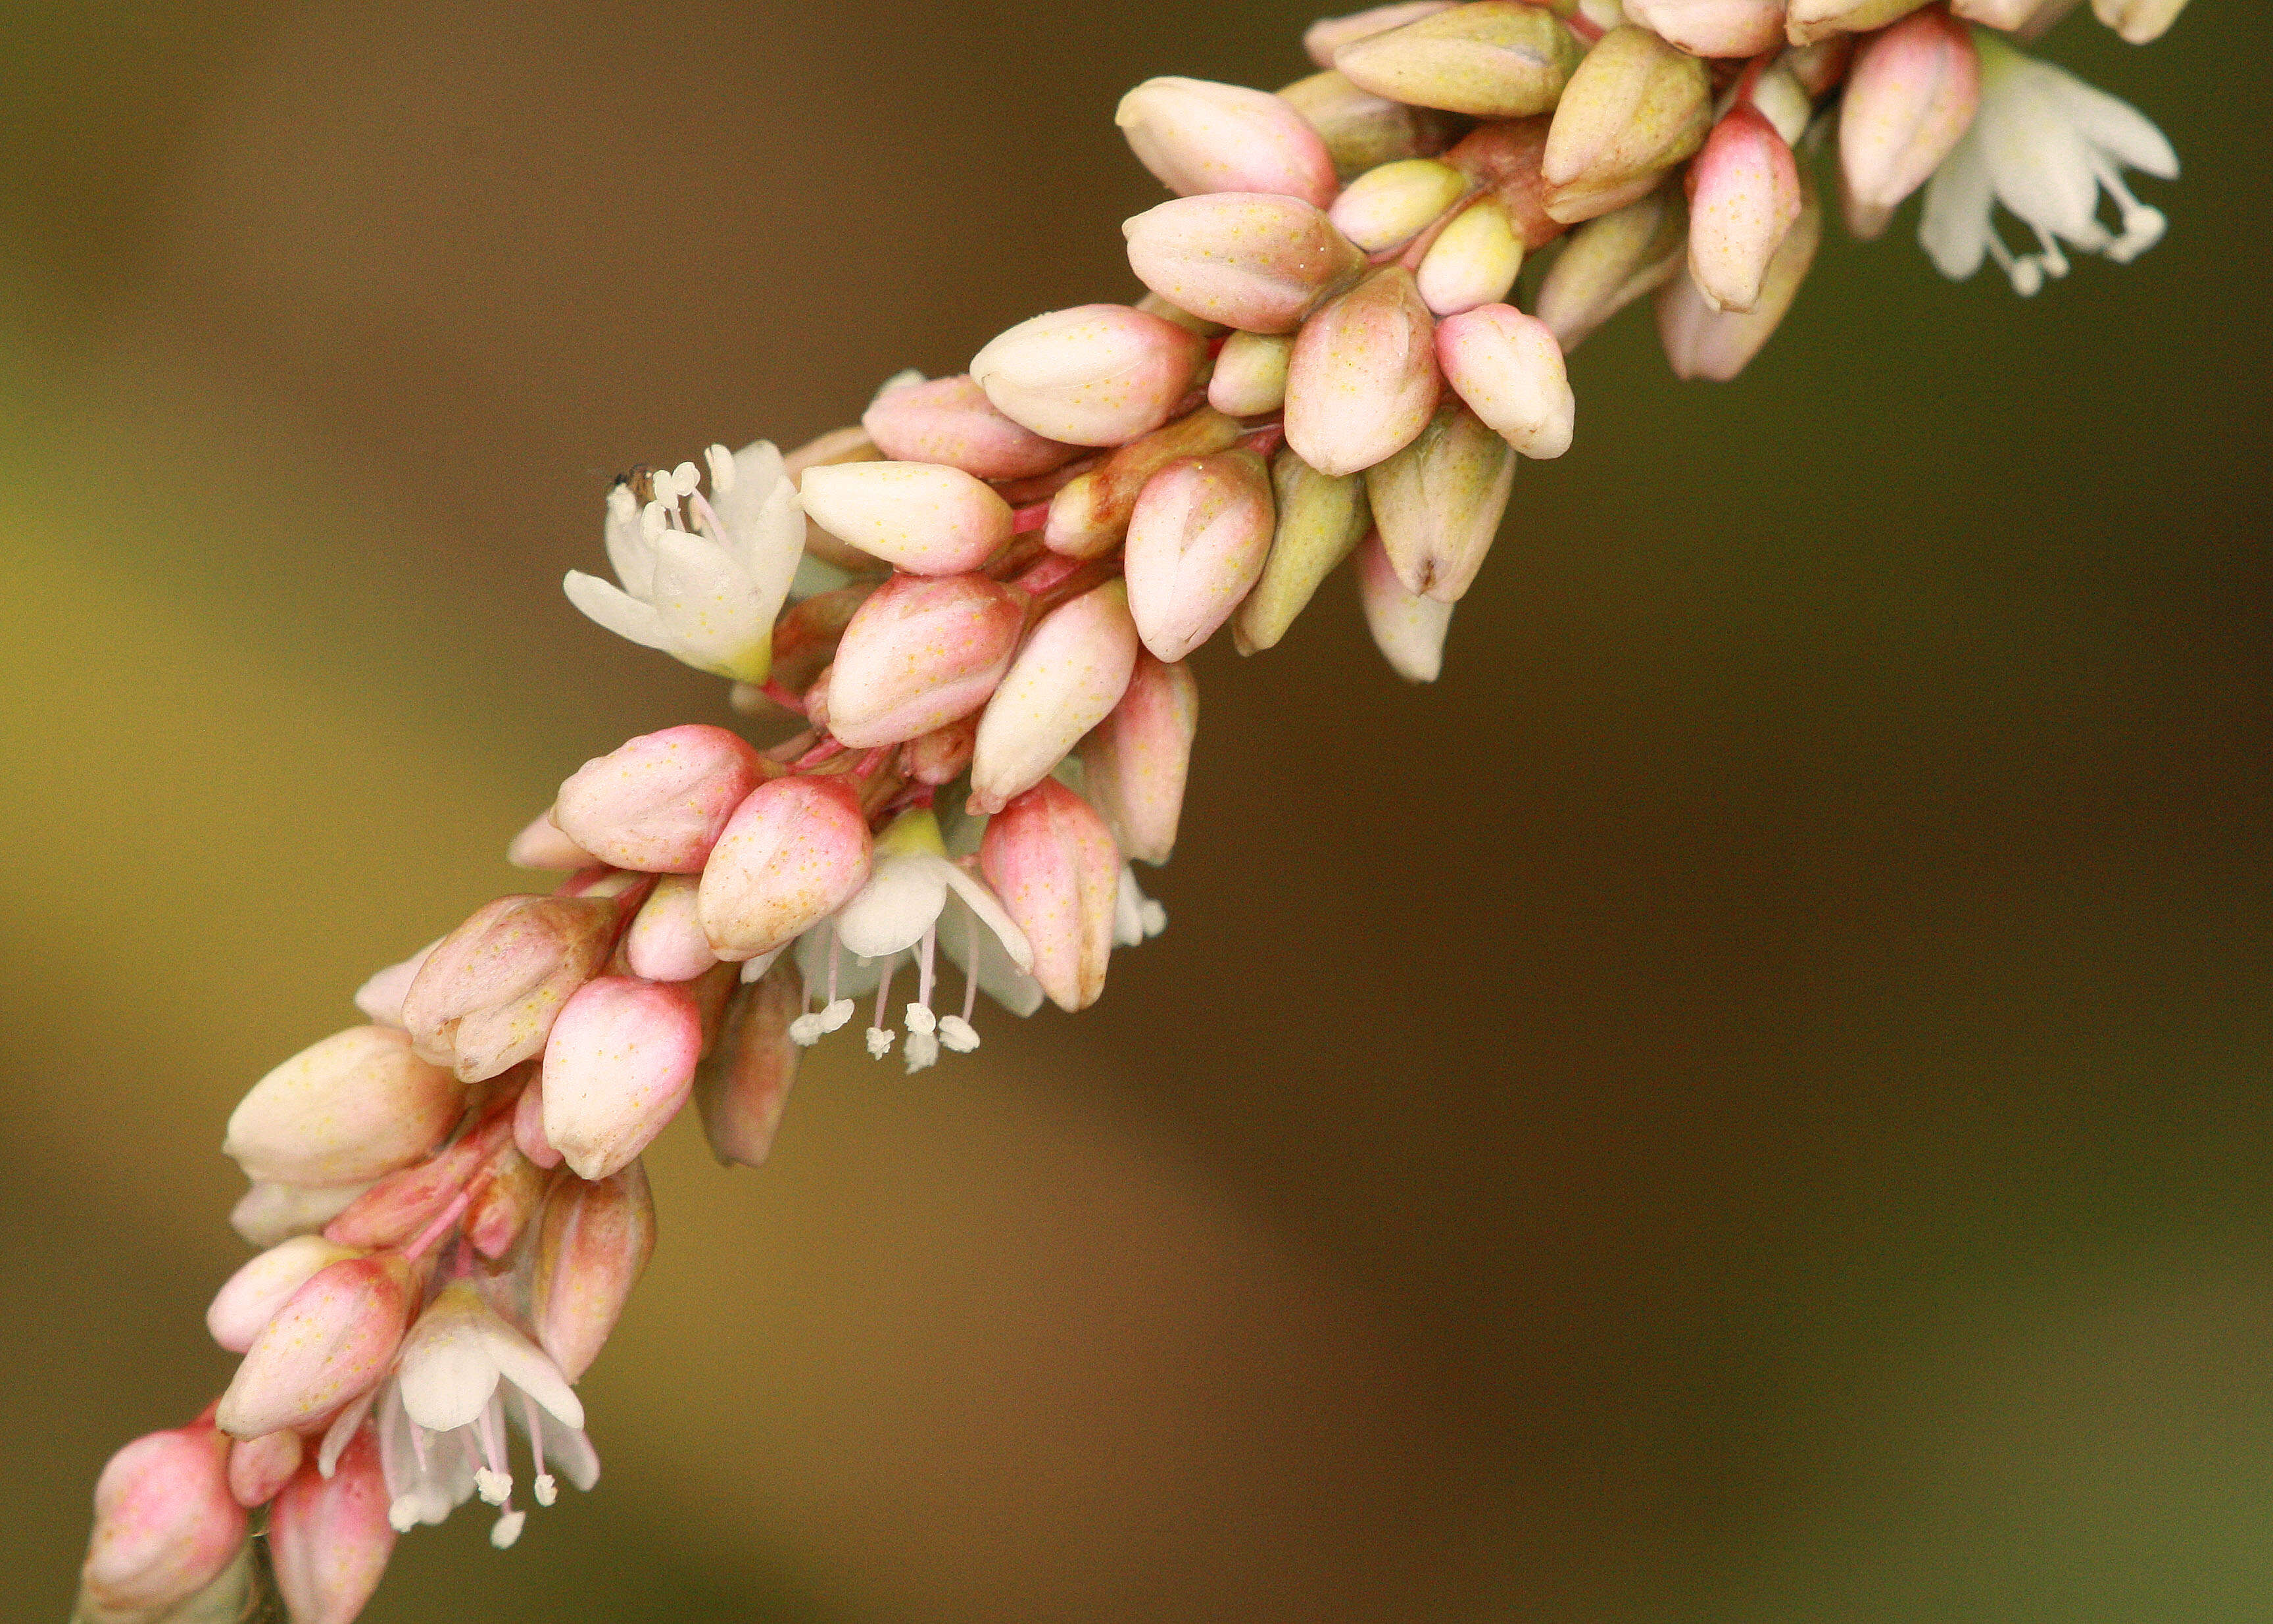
(507, 1528)
(541, 1485)
(880, 1035)
(922, 1048)
(492, 1481)
(435, 1230)
(820, 753)
(806, 1030)
(955, 1031)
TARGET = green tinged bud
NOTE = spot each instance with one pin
(1361, 129)
(1320, 518)
(1491, 59)
(1608, 263)
(1635, 108)
(1439, 501)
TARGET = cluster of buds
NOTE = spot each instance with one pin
(968, 618)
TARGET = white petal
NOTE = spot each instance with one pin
(447, 1374)
(1955, 228)
(982, 901)
(342, 1432)
(2040, 166)
(1128, 911)
(901, 901)
(999, 978)
(525, 1365)
(854, 979)
(630, 553)
(2113, 124)
(617, 611)
(708, 606)
(381, 996)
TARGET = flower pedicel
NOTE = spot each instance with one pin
(974, 611)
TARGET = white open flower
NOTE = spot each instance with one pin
(2044, 145)
(706, 595)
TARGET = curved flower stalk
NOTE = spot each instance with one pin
(960, 634)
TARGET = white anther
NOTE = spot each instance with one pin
(402, 1512)
(921, 1020)
(507, 1529)
(685, 479)
(722, 468)
(922, 1050)
(492, 1486)
(545, 1490)
(880, 1042)
(957, 1033)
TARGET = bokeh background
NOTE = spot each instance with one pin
(1746, 1101)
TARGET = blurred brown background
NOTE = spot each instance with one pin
(1747, 1102)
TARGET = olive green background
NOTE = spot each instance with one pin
(1746, 1101)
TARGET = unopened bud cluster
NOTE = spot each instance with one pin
(969, 621)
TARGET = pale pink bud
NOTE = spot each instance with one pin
(1744, 194)
(917, 517)
(269, 1214)
(529, 1126)
(258, 1467)
(665, 941)
(921, 652)
(330, 1538)
(1635, 108)
(1249, 260)
(1070, 673)
(1363, 379)
(342, 1111)
(1474, 261)
(1196, 544)
(1361, 129)
(2139, 22)
(542, 845)
(1050, 858)
(617, 1068)
(1323, 38)
(1249, 380)
(1810, 20)
(165, 1526)
(2024, 19)
(1703, 342)
(400, 1205)
(1910, 96)
(1136, 759)
(330, 1343)
(656, 803)
(1490, 59)
(1509, 369)
(1438, 502)
(940, 755)
(1391, 205)
(1503, 158)
(381, 996)
(1407, 628)
(1197, 136)
(595, 1240)
(1089, 516)
(1094, 375)
(844, 444)
(743, 1083)
(951, 421)
(1612, 262)
(1713, 27)
(253, 1296)
(790, 856)
(1318, 519)
(487, 996)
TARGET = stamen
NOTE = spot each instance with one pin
(402, 1512)
(957, 1033)
(806, 1030)
(922, 1048)
(880, 1036)
(685, 478)
(507, 1529)
(493, 1482)
(434, 1231)
(541, 1485)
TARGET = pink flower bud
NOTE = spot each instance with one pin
(1361, 129)
(269, 1214)
(1197, 137)
(528, 1126)
(595, 1240)
(921, 652)
(1391, 205)
(258, 1467)
(1136, 759)
(845, 445)
(1363, 379)
(790, 856)
(1323, 38)
(1810, 20)
(617, 1068)
(1089, 516)
(330, 1343)
(1508, 369)
(1713, 27)
(1050, 858)
(1490, 59)
(330, 1537)
(165, 1526)
(1094, 375)
(940, 755)
(665, 941)
(381, 997)
(1703, 342)
(1249, 260)
(1610, 262)
(1474, 260)
(1744, 194)
(253, 1296)
(656, 803)
(1319, 519)
(1439, 501)
(400, 1205)
(951, 421)
(542, 845)
(918, 516)
(1910, 96)
(1066, 678)
(503, 1202)
(1635, 108)
(744, 1082)
(487, 996)
(1196, 544)
(340, 1112)
(1249, 380)
(1407, 628)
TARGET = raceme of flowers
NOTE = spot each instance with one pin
(971, 615)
